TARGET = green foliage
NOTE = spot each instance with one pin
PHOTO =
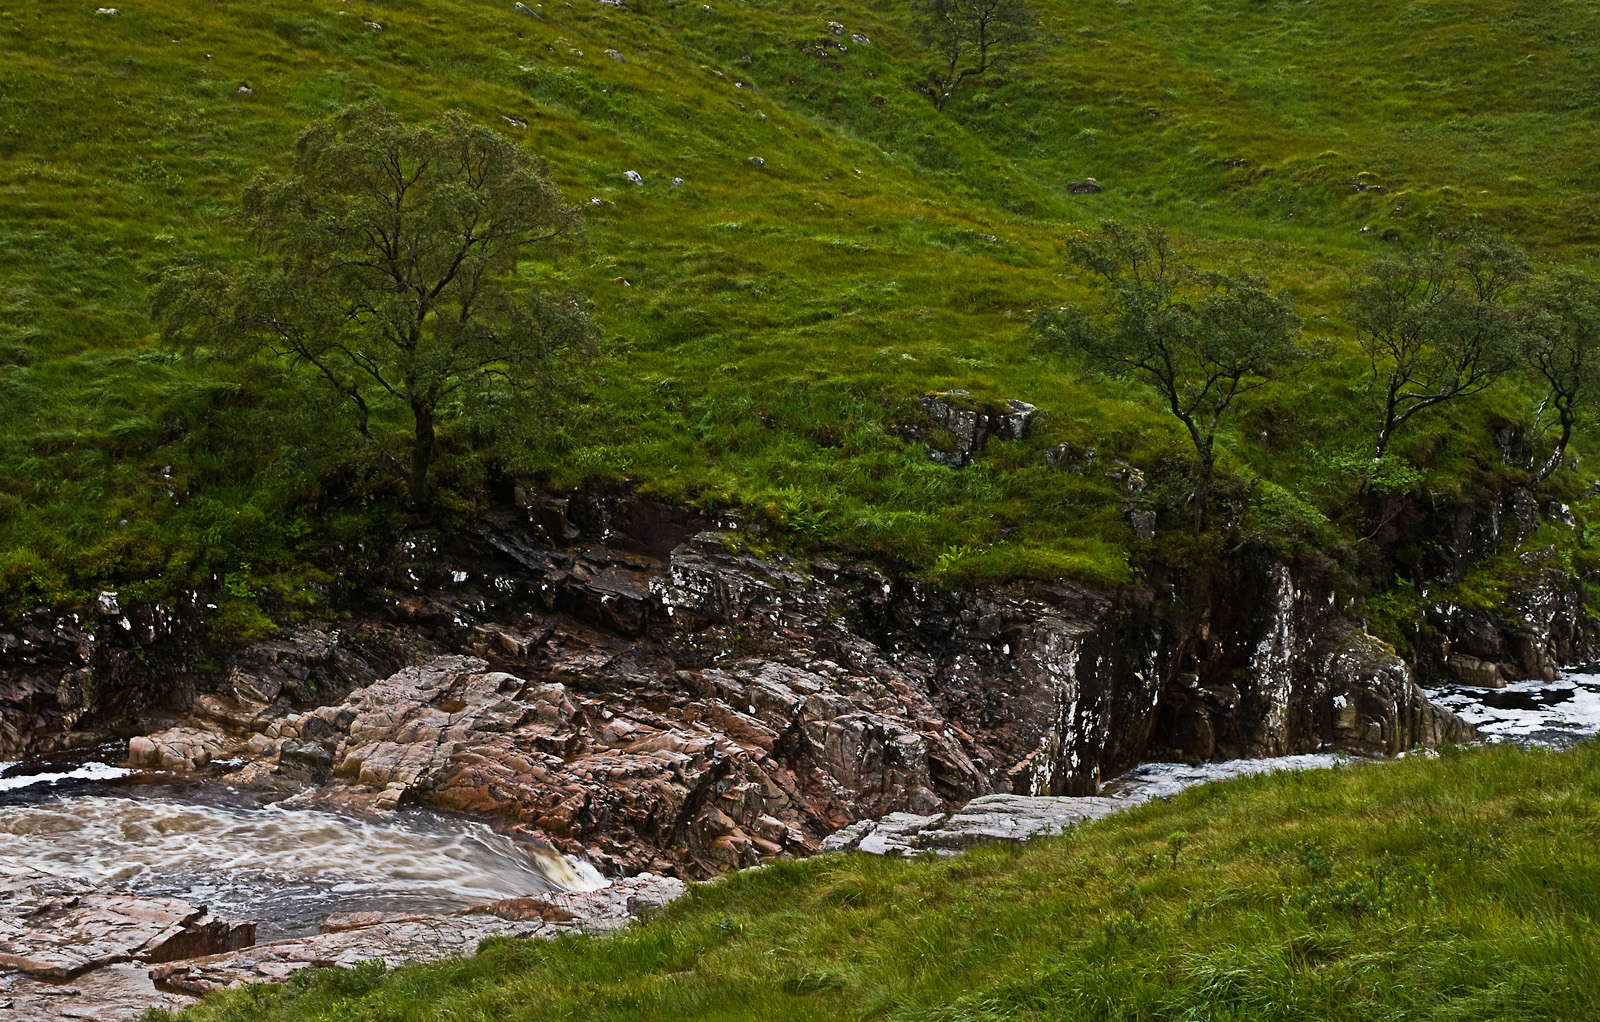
(1436, 325)
(759, 316)
(1201, 340)
(1560, 328)
(1450, 888)
(390, 275)
(969, 39)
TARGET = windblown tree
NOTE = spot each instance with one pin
(970, 39)
(1199, 339)
(389, 270)
(1560, 324)
(1436, 325)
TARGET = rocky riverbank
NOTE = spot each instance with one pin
(69, 950)
(658, 694)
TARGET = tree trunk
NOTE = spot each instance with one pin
(421, 457)
(1568, 420)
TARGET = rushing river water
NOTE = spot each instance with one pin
(287, 868)
(1530, 712)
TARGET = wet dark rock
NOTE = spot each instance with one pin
(1010, 819)
(1087, 186)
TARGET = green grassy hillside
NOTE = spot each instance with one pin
(1464, 888)
(767, 324)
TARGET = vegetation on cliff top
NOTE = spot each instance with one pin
(837, 249)
(1464, 888)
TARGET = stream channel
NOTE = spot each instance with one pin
(285, 867)
(288, 866)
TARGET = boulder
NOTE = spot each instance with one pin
(183, 749)
(969, 425)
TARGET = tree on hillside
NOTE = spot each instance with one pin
(389, 269)
(1436, 325)
(1200, 339)
(969, 39)
(1560, 328)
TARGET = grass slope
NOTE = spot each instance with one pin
(1462, 888)
(768, 323)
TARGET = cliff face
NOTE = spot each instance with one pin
(630, 680)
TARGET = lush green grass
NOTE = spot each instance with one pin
(767, 325)
(1463, 888)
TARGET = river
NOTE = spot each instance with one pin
(286, 867)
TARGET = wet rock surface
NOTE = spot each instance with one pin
(1013, 819)
(958, 426)
(709, 708)
(69, 951)
(651, 689)
(656, 691)
(396, 940)
(56, 928)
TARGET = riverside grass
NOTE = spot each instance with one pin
(836, 250)
(1464, 887)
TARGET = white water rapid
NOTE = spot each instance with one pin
(287, 868)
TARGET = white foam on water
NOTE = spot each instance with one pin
(1537, 712)
(287, 867)
(87, 772)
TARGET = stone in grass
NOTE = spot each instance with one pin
(969, 425)
(1088, 186)
(633, 175)
(617, 56)
(756, 161)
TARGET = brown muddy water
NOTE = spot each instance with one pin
(284, 866)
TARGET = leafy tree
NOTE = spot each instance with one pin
(1560, 323)
(389, 270)
(1436, 325)
(969, 39)
(1200, 339)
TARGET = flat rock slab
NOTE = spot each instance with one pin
(116, 993)
(51, 936)
(396, 943)
(1011, 818)
(351, 938)
(984, 820)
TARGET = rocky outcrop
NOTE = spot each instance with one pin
(959, 426)
(1543, 627)
(69, 681)
(633, 682)
(1279, 672)
(700, 707)
(1495, 541)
